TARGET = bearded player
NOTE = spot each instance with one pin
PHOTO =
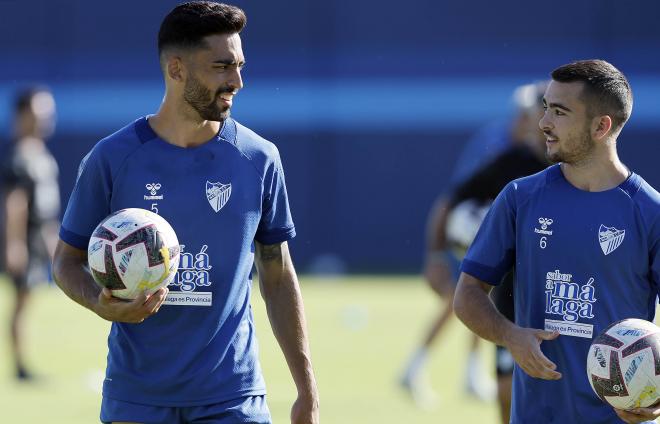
(188, 354)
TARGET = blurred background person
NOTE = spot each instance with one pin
(472, 198)
(518, 150)
(31, 202)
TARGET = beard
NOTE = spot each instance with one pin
(203, 101)
(575, 150)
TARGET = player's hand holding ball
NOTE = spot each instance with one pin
(134, 311)
(133, 255)
(639, 415)
(622, 367)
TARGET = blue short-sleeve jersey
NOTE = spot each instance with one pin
(583, 260)
(219, 197)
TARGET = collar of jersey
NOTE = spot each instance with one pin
(630, 185)
(145, 132)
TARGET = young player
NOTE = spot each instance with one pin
(189, 354)
(584, 236)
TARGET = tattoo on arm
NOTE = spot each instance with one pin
(270, 252)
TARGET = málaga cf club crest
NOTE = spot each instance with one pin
(610, 238)
(217, 194)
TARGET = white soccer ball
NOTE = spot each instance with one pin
(463, 224)
(133, 250)
(623, 365)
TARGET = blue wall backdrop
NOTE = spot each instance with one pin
(370, 102)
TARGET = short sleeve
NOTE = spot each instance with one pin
(90, 199)
(276, 224)
(13, 173)
(492, 252)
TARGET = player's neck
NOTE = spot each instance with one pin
(599, 173)
(182, 129)
(30, 140)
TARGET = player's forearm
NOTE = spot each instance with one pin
(50, 236)
(284, 304)
(435, 228)
(286, 313)
(473, 306)
(72, 277)
(16, 216)
(16, 229)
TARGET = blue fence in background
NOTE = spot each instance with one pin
(370, 102)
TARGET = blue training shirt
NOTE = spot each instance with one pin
(583, 260)
(219, 197)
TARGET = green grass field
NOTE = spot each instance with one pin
(362, 329)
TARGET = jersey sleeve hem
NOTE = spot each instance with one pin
(492, 276)
(276, 236)
(75, 240)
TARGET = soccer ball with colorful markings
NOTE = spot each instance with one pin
(623, 365)
(133, 250)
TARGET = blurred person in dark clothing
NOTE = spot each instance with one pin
(449, 234)
(31, 207)
(526, 156)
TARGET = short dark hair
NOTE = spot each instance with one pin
(23, 98)
(606, 89)
(188, 23)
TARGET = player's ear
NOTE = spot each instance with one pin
(601, 127)
(174, 68)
